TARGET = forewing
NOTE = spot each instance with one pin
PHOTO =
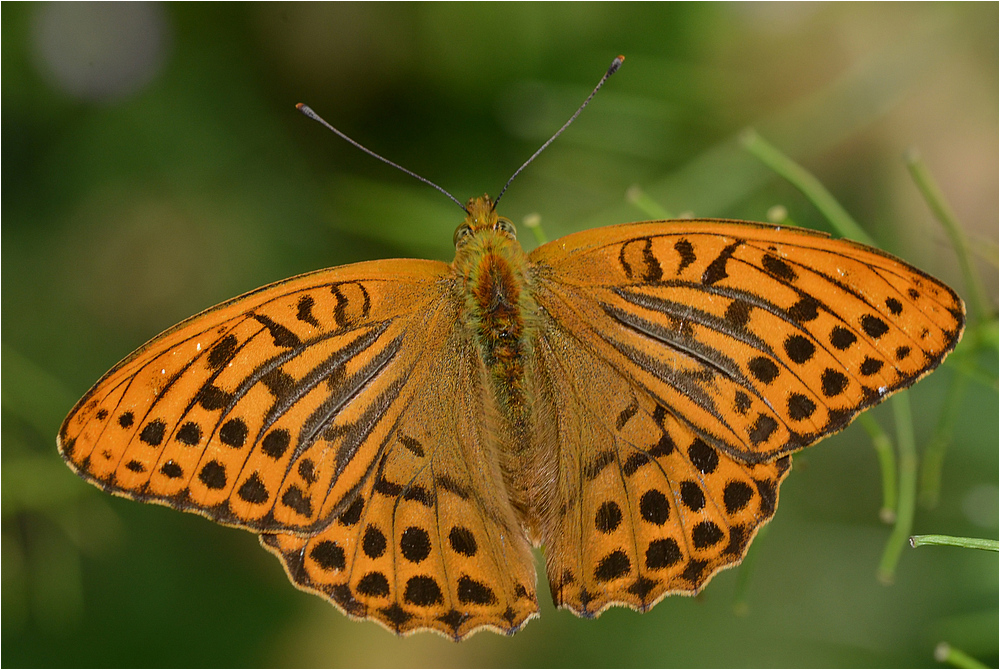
(762, 339)
(268, 411)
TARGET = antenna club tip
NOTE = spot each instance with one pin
(305, 109)
(615, 64)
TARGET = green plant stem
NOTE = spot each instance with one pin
(643, 201)
(887, 464)
(932, 463)
(805, 182)
(740, 600)
(936, 201)
(945, 653)
(953, 541)
(534, 223)
(907, 488)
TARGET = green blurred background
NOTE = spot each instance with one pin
(154, 164)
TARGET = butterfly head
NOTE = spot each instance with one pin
(482, 218)
(485, 235)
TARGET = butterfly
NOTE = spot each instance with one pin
(402, 433)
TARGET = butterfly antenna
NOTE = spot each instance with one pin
(305, 109)
(615, 64)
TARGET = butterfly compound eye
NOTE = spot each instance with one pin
(507, 227)
(462, 233)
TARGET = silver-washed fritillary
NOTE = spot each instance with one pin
(400, 433)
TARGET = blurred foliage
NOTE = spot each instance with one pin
(154, 164)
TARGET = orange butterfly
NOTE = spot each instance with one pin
(401, 432)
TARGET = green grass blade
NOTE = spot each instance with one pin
(887, 464)
(808, 184)
(945, 653)
(936, 201)
(954, 541)
(907, 488)
(638, 197)
(932, 463)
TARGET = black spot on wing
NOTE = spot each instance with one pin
(213, 475)
(716, 270)
(841, 338)
(282, 337)
(614, 565)
(307, 470)
(662, 553)
(233, 433)
(762, 429)
(415, 544)
(763, 369)
(463, 541)
(874, 326)
(703, 457)
(634, 462)
(275, 443)
(304, 313)
(253, 490)
(211, 397)
(870, 366)
(295, 499)
(471, 591)
(686, 251)
(738, 314)
(222, 352)
(626, 414)
(596, 466)
(800, 349)
(776, 267)
(189, 434)
(412, 444)
(373, 543)
(800, 407)
(422, 591)
(152, 433)
(279, 383)
(804, 311)
(328, 555)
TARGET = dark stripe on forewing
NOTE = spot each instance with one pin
(351, 386)
(285, 398)
(325, 371)
(714, 440)
(716, 270)
(357, 433)
(287, 394)
(340, 311)
(683, 382)
(681, 340)
(651, 270)
(738, 332)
